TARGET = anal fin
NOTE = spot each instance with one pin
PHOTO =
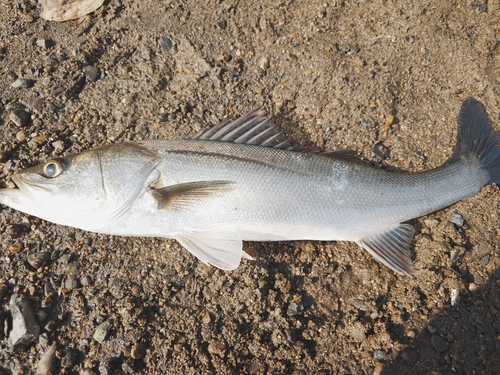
(222, 249)
(392, 248)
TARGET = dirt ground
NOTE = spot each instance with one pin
(386, 78)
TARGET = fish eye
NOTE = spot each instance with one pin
(52, 168)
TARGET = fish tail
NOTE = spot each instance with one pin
(477, 140)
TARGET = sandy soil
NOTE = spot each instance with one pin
(386, 78)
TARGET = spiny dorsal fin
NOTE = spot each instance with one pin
(182, 196)
(392, 248)
(253, 128)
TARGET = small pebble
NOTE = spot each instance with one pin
(138, 350)
(431, 222)
(41, 315)
(456, 255)
(13, 229)
(86, 280)
(354, 49)
(490, 344)
(432, 330)
(21, 136)
(379, 368)
(104, 370)
(496, 274)
(20, 83)
(439, 343)
(144, 52)
(166, 43)
(15, 248)
(47, 363)
(453, 296)
(127, 369)
(126, 350)
(58, 145)
(71, 282)
(43, 43)
(216, 347)
(485, 260)
(379, 355)
(50, 61)
(29, 18)
(40, 259)
(221, 25)
(20, 117)
(39, 139)
(57, 91)
(206, 319)
(136, 290)
(50, 326)
(91, 72)
(101, 331)
(43, 341)
(264, 63)
(483, 249)
(381, 151)
(457, 219)
(293, 309)
(495, 324)
(25, 328)
(426, 352)
(409, 355)
(116, 288)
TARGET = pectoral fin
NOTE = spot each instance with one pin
(392, 248)
(182, 196)
(222, 249)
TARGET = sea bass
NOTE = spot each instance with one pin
(240, 181)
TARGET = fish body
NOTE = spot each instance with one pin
(239, 181)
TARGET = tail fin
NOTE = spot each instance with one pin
(477, 139)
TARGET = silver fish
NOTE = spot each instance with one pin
(240, 181)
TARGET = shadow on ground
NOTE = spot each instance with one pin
(472, 325)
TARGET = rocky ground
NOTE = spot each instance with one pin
(386, 78)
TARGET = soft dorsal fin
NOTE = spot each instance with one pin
(392, 248)
(253, 128)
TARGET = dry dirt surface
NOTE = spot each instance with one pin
(385, 78)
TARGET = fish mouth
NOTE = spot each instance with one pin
(36, 193)
(16, 199)
(26, 197)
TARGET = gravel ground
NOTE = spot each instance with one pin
(386, 78)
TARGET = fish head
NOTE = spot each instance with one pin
(55, 189)
(86, 190)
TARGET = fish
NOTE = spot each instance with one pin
(243, 180)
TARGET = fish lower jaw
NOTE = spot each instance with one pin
(17, 199)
